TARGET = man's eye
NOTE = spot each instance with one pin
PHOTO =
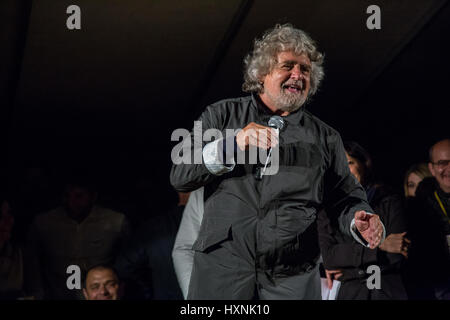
(306, 69)
(286, 67)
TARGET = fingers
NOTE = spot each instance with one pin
(376, 230)
(361, 221)
(404, 253)
(361, 215)
(332, 274)
(257, 135)
(329, 279)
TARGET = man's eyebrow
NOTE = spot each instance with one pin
(111, 281)
(288, 62)
(295, 62)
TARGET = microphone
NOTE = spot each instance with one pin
(278, 123)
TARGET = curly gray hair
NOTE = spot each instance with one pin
(264, 56)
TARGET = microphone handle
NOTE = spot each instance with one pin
(267, 159)
(267, 162)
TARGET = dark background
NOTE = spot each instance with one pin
(107, 97)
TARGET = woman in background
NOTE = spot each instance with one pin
(415, 174)
(346, 260)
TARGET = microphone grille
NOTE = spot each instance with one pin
(276, 122)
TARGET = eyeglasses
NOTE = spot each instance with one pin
(441, 164)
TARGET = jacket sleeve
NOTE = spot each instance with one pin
(338, 254)
(182, 253)
(189, 171)
(343, 195)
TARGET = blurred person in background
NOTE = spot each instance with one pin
(11, 257)
(428, 269)
(79, 232)
(347, 261)
(145, 263)
(102, 283)
(415, 174)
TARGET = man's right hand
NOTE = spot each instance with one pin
(257, 135)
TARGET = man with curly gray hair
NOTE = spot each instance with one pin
(264, 59)
(258, 235)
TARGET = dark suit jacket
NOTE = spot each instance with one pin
(342, 252)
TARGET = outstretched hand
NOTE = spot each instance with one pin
(370, 228)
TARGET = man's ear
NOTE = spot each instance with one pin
(85, 294)
(431, 168)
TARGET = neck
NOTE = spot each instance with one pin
(268, 103)
(79, 216)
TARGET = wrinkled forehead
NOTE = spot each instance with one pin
(291, 52)
(101, 276)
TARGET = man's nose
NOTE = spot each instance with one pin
(105, 291)
(296, 73)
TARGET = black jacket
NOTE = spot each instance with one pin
(270, 216)
(145, 262)
(428, 266)
(342, 252)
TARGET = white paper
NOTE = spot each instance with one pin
(329, 294)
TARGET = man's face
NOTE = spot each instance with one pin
(440, 166)
(79, 200)
(286, 87)
(101, 284)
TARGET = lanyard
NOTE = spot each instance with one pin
(440, 203)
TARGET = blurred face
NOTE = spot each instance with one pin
(440, 167)
(412, 183)
(101, 284)
(6, 222)
(286, 87)
(355, 166)
(79, 201)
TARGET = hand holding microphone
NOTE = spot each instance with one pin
(256, 135)
(262, 137)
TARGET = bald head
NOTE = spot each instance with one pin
(101, 283)
(439, 164)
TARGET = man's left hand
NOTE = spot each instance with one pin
(370, 228)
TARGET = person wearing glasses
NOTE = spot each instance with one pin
(429, 263)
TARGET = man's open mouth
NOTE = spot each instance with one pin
(293, 88)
